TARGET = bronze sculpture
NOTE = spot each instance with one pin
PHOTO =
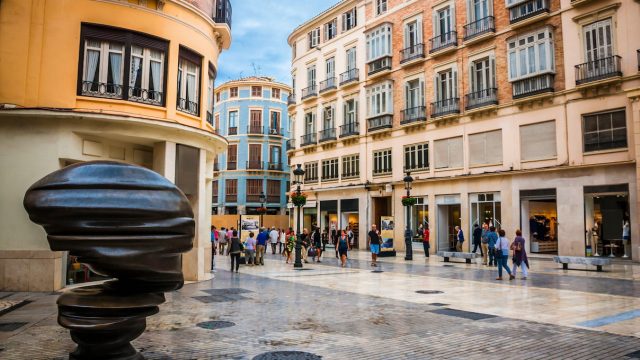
(125, 222)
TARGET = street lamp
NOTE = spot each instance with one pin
(298, 174)
(407, 232)
(263, 199)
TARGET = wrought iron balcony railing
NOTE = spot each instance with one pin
(350, 174)
(98, 89)
(210, 118)
(189, 107)
(349, 76)
(382, 171)
(378, 65)
(479, 27)
(414, 114)
(440, 42)
(598, 69)
(329, 84)
(253, 198)
(350, 129)
(231, 198)
(309, 92)
(275, 166)
(291, 144)
(308, 139)
(148, 97)
(445, 107)
(233, 130)
(223, 12)
(232, 165)
(255, 165)
(273, 199)
(481, 98)
(417, 166)
(380, 122)
(532, 86)
(527, 10)
(327, 134)
(255, 129)
(412, 53)
(291, 100)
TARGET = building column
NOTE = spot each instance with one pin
(164, 159)
(634, 199)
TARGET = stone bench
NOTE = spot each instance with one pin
(593, 261)
(467, 256)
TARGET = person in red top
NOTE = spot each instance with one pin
(425, 240)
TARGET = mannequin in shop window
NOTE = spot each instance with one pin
(595, 237)
(626, 236)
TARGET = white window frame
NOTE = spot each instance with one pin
(472, 16)
(449, 6)
(329, 117)
(311, 171)
(312, 76)
(380, 99)
(350, 19)
(382, 160)
(350, 115)
(330, 67)
(416, 35)
(183, 68)
(330, 169)
(147, 57)
(381, 7)
(490, 82)
(379, 42)
(331, 29)
(309, 123)
(104, 50)
(452, 83)
(412, 153)
(314, 38)
(351, 166)
(408, 90)
(351, 59)
(525, 45)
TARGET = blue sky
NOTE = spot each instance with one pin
(259, 36)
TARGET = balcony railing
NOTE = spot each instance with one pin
(481, 98)
(255, 165)
(378, 65)
(350, 174)
(527, 10)
(479, 27)
(382, 171)
(275, 166)
(148, 97)
(445, 107)
(380, 122)
(349, 76)
(418, 166)
(414, 114)
(255, 129)
(533, 86)
(311, 179)
(291, 144)
(309, 92)
(412, 53)
(309, 139)
(233, 130)
(223, 12)
(598, 69)
(273, 199)
(99, 89)
(327, 134)
(215, 199)
(274, 131)
(231, 198)
(350, 129)
(253, 198)
(330, 177)
(190, 107)
(210, 118)
(329, 84)
(291, 100)
(232, 165)
(443, 41)
(216, 167)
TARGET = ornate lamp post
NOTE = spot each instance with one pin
(408, 204)
(298, 174)
(263, 209)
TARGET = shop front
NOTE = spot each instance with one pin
(607, 221)
(329, 219)
(448, 217)
(309, 215)
(485, 209)
(420, 217)
(539, 219)
(350, 219)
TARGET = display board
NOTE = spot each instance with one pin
(387, 225)
(249, 223)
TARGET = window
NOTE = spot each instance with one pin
(233, 92)
(255, 156)
(330, 169)
(274, 154)
(311, 76)
(381, 7)
(275, 93)
(479, 9)
(328, 114)
(446, 84)
(314, 38)
(214, 191)
(189, 82)
(255, 121)
(482, 74)
(231, 188)
(413, 34)
(531, 54)
(380, 99)
(598, 41)
(218, 97)
(254, 188)
(538, 141)
(416, 157)
(350, 112)
(274, 123)
(232, 157)
(145, 75)
(294, 50)
(309, 123)
(444, 20)
(350, 19)
(351, 59)
(382, 162)
(414, 93)
(233, 122)
(103, 66)
(379, 42)
(256, 91)
(311, 172)
(273, 191)
(330, 29)
(485, 148)
(448, 153)
(351, 166)
(330, 67)
(210, 89)
(604, 131)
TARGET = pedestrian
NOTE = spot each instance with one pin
(304, 240)
(343, 247)
(282, 241)
(492, 239)
(317, 242)
(459, 238)
(351, 237)
(229, 233)
(325, 240)
(291, 242)
(502, 253)
(214, 245)
(250, 249)
(519, 255)
(425, 240)
(235, 248)
(222, 240)
(477, 238)
(261, 240)
(274, 236)
(374, 245)
(484, 243)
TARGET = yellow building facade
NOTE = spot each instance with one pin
(121, 80)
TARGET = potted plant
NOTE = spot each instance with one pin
(262, 210)
(298, 200)
(409, 201)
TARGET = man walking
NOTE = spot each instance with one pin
(262, 239)
(222, 240)
(492, 239)
(484, 243)
(274, 236)
(317, 242)
(374, 245)
(477, 237)
(214, 245)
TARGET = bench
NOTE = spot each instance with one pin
(593, 261)
(459, 255)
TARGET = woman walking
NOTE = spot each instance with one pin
(519, 255)
(343, 247)
(502, 255)
(235, 248)
(425, 240)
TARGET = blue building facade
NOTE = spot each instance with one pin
(251, 113)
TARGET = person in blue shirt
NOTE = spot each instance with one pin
(262, 239)
(492, 239)
(459, 239)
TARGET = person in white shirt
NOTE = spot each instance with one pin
(274, 236)
(502, 253)
(283, 241)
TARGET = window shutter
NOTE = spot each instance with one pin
(355, 117)
(472, 84)
(492, 70)
(435, 87)
(441, 154)
(455, 152)
(406, 36)
(477, 149)
(436, 28)
(345, 115)
(344, 22)
(538, 141)
(490, 7)
(421, 84)
(406, 95)
(453, 16)
(355, 16)
(470, 14)
(494, 147)
(454, 72)
(326, 32)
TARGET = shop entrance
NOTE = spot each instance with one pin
(448, 217)
(329, 219)
(420, 218)
(607, 221)
(310, 217)
(540, 219)
(350, 219)
(485, 209)
(381, 207)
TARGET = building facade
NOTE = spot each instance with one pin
(251, 113)
(521, 114)
(83, 80)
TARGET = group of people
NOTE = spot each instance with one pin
(495, 249)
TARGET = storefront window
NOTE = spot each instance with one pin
(485, 209)
(540, 219)
(607, 221)
(350, 219)
(420, 217)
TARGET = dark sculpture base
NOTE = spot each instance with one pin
(103, 322)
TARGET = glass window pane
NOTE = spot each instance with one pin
(618, 120)
(604, 122)
(590, 123)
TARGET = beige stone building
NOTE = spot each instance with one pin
(521, 114)
(119, 80)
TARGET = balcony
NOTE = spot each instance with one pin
(327, 135)
(350, 129)
(311, 179)
(233, 130)
(291, 144)
(210, 118)
(350, 175)
(255, 130)
(444, 41)
(527, 10)
(418, 166)
(274, 131)
(273, 199)
(223, 12)
(533, 86)
(382, 171)
(149, 97)
(189, 107)
(598, 70)
(232, 165)
(309, 139)
(413, 115)
(349, 76)
(379, 65)
(483, 26)
(309, 92)
(105, 90)
(291, 99)
(255, 165)
(215, 199)
(380, 122)
(216, 167)
(253, 198)
(445, 107)
(478, 99)
(327, 85)
(275, 166)
(412, 53)
(231, 198)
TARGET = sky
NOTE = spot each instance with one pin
(259, 30)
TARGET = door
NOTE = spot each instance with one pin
(598, 46)
(256, 121)
(309, 126)
(481, 75)
(274, 156)
(445, 86)
(255, 156)
(351, 58)
(275, 122)
(331, 68)
(413, 94)
(328, 118)
(311, 76)
(480, 9)
(411, 36)
(444, 23)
